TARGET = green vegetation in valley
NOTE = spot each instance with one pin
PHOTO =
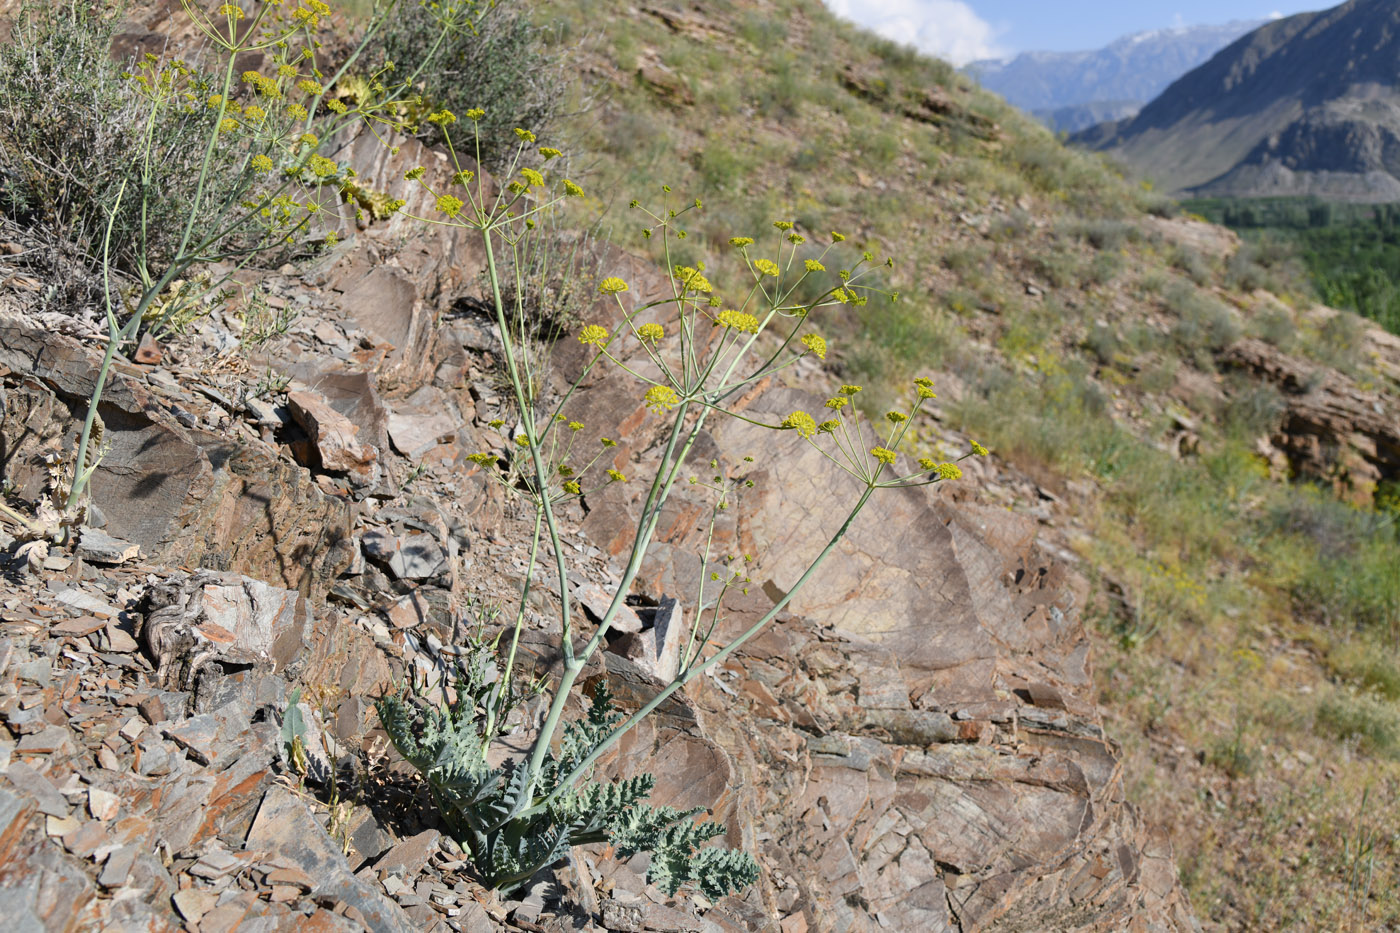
(1351, 251)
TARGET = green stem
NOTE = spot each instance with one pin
(80, 471)
(208, 156)
(490, 731)
(681, 680)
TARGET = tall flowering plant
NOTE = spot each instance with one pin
(692, 354)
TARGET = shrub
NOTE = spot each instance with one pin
(172, 181)
(1202, 321)
(502, 66)
(1373, 724)
(69, 124)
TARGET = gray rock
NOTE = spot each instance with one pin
(98, 547)
(38, 788)
(285, 827)
(407, 557)
(409, 855)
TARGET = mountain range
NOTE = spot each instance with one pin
(1306, 105)
(1074, 90)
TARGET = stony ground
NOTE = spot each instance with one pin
(285, 505)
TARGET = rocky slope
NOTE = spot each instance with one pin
(1074, 90)
(915, 746)
(1305, 105)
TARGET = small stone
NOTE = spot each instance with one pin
(80, 627)
(291, 875)
(1045, 696)
(214, 865)
(370, 839)
(596, 600)
(60, 825)
(156, 757)
(87, 839)
(57, 563)
(224, 918)
(408, 611)
(118, 867)
(409, 855)
(796, 923)
(119, 641)
(53, 740)
(102, 804)
(33, 784)
(24, 721)
(194, 903)
(148, 352)
(86, 602)
(38, 672)
(262, 412)
(198, 735)
(408, 557)
(107, 759)
(131, 729)
(98, 547)
(152, 709)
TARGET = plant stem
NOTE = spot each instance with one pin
(682, 679)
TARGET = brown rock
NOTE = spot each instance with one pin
(409, 856)
(15, 813)
(194, 903)
(1330, 428)
(102, 804)
(148, 352)
(285, 828)
(420, 421)
(332, 435)
(191, 621)
(184, 496)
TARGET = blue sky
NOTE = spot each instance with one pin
(963, 30)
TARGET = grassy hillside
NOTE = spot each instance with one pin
(1247, 623)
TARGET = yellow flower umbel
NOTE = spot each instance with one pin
(651, 332)
(739, 320)
(661, 399)
(449, 205)
(692, 280)
(801, 422)
(593, 336)
(816, 344)
(612, 285)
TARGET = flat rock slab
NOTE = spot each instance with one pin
(98, 547)
(408, 856)
(418, 423)
(408, 557)
(285, 827)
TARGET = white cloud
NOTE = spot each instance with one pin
(946, 28)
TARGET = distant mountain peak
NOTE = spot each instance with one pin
(1305, 104)
(1074, 86)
